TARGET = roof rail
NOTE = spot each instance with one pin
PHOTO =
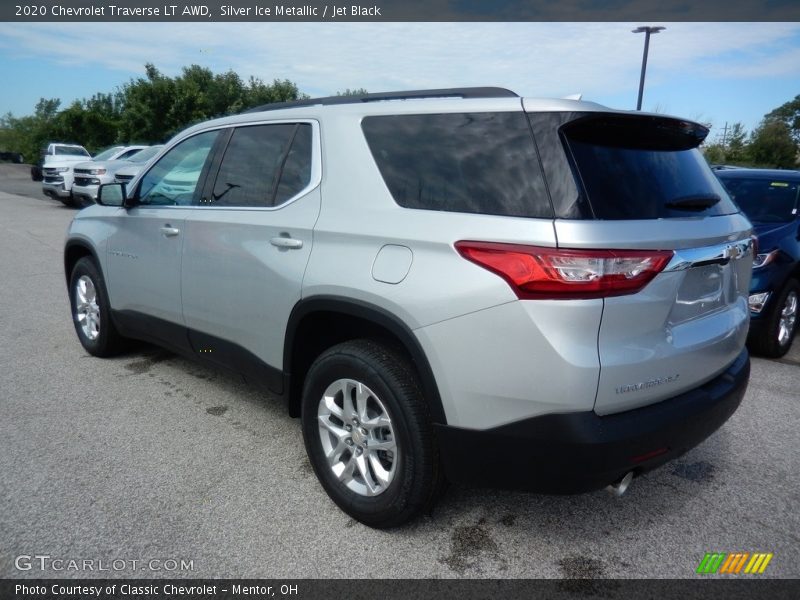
(471, 92)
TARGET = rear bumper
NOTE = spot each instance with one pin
(581, 451)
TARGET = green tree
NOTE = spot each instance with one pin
(730, 148)
(147, 109)
(771, 145)
(736, 151)
(94, 123)
(156, 107)
(715, 154)
(148, 105)
(355, 92)
(29, 134)
(789, 113)
(258, 93)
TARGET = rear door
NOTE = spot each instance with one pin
(248, 240)
(622, 181)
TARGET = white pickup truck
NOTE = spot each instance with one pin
(58, 160)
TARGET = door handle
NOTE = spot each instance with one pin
(170, 231)
(286, 242)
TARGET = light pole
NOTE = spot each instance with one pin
(647, 31)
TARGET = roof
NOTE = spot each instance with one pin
(447, 100)
(471, 92)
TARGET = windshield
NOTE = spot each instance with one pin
(764, 200)
(107, 154)
(145, 155)
(70, 151)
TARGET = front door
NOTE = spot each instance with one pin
(144, 251)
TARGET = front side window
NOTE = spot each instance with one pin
(263, 166)
(173, 179)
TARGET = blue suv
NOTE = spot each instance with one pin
(771, 201)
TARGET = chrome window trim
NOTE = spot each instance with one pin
(316, 165)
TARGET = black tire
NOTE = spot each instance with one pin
(108, 341)
(80, 202)
(71, 201)
(417, 478)
(766, 341)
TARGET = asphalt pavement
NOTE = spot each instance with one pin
(152, 458)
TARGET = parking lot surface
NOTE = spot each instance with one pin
(149, 456)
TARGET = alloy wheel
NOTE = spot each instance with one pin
(357, 437)
(787, 319)
(87, 311)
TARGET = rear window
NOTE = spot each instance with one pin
(631, 167)
(764, 200)
(465, 162)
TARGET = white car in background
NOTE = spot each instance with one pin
(89, 175)
(57, 162)
(134, 165)
(59, 174)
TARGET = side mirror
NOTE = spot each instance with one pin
(113, 194)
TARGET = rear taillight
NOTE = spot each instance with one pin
(541, 273)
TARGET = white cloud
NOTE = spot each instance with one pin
(532, 58)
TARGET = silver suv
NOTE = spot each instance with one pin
(456, 285)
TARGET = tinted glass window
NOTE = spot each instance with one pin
(568, 203)
(128, 154)
(644, 168)
(251, 165)
(296, 172)
(173, 179)
(473, 163)
(145, 155)
(764, 200)
(69, 151)
(108, 153)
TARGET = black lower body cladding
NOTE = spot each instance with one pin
(581, 452)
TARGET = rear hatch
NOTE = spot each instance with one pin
(622, 181)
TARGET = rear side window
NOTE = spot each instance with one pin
(771, 200)
(471, 162)
(296, 173)
(631, 167)
(264, 165)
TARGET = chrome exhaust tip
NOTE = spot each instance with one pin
(620, 487)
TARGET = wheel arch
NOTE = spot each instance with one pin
(317, 323)
(73, 252)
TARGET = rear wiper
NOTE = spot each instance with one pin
(697, 203)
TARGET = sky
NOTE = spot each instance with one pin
(717, 73)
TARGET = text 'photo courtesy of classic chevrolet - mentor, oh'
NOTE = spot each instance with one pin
(445, 285)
